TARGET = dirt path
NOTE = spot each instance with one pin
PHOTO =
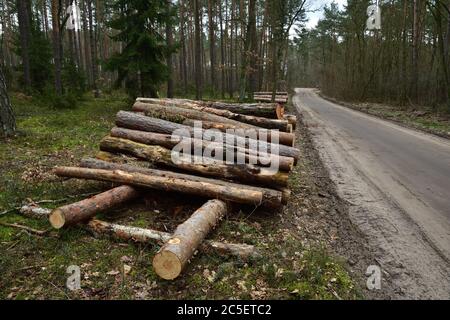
(396, 182)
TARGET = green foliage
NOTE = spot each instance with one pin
(40, 52)
(138, 23)
(74, 82)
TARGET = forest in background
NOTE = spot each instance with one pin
(407, 62)
(226, 49)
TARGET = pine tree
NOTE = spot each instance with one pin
(141, 64)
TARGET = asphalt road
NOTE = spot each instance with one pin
(397, 178)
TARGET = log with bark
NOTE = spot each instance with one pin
(86, 209)
(270, 198)
(268, 93)
(291, 119)
(171, 259)
(266, 110)
(197, 112)
(127, 233)
(205, 188)
(272, 136)
(197, 164)
(172, 114)
(135, 121)
(170, 142)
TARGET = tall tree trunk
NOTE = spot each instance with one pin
(93, 49)
(212, 41)
(169, 59)
(198, 51)
(415, 52)
(24, 16)
(57, 46)
(86, 42)
(7, 119)
(184, 56)
(222, 52)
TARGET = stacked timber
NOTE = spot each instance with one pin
(225, 153)
(280, 97)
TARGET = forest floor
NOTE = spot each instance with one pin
(424, 118)
(310, 249)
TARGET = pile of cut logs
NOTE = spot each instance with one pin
(280, 97)
(156, 134)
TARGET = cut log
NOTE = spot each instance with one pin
(230, 192)
(193, 111)
(86, 209)
(271, 198)
(135, 121)
(268, 93)
(169, 142)
(277, 137)
(126, 233)
(292, 120)
(171, 259)
(200, 165)
(171, 113)
(190, 117)
(271, 111)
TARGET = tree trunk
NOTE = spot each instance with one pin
(214, 115)
(127, 233)
(57, 46)
(197, 164)
(415, 52)
(183, 56)
(86, 209)
(135, 121)
(212, 41)
(93, 49)
(232, 192)
(270, 198)
(190, 113)
(7, 119)
(171, 259)
(24, 17)
(170, 142)
(265, 110)
(169, 59)
(198, 50)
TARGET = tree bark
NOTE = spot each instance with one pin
(197, 164)
(158, 110)
(86, 209)
(171, 259)
(127, 233)
(270, 198)
(170, 142)
(7, 119)
(198, 49)
(212, 41)
(169, 59)
(24, 17)
(232, 192)
(221, 115)
(265, 110)
(57, 46)
(135, 121)
(93, 50)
